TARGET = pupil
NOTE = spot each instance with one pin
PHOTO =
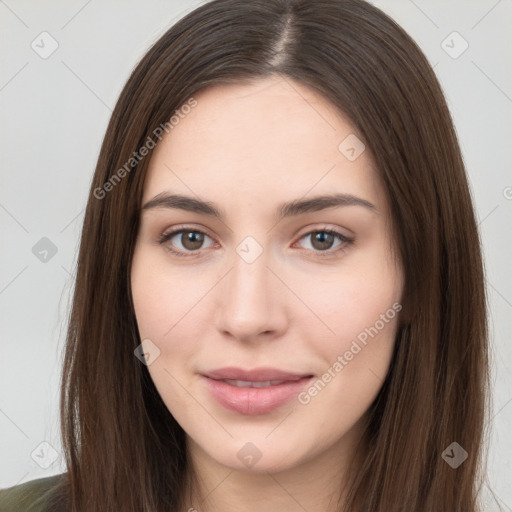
(192, 240)
(325, 240)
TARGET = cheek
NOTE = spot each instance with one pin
(355, 358)
(163, 298)
(170, 311)
(164, 308)
(359, 311)
(352, 300)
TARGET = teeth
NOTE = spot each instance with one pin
(250, 384)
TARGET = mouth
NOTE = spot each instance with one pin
(255, 384)
(252, 392)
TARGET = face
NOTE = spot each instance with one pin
(268, 315)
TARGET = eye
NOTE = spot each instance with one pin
(324, 240)
(187, 241)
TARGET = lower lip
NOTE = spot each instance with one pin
(252, 401)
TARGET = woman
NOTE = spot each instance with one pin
(279, 300)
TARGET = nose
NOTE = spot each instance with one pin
(252, 302)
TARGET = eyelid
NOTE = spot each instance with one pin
(185, 227)
(329, 228)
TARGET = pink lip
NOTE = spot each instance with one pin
(252, 401)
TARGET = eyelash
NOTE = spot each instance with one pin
(345, 241)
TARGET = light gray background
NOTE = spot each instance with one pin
(54, 112)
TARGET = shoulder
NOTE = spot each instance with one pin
(30, 496)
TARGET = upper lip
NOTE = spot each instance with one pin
(254, 375)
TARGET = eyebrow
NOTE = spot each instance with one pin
(290, 209)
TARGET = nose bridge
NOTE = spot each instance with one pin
(249, 304)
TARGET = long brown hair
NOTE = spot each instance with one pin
(124, 450)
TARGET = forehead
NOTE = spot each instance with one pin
(274, 137)
(244, 114)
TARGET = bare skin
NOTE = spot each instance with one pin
(247, 149)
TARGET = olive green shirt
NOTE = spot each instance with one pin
(30, 496)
